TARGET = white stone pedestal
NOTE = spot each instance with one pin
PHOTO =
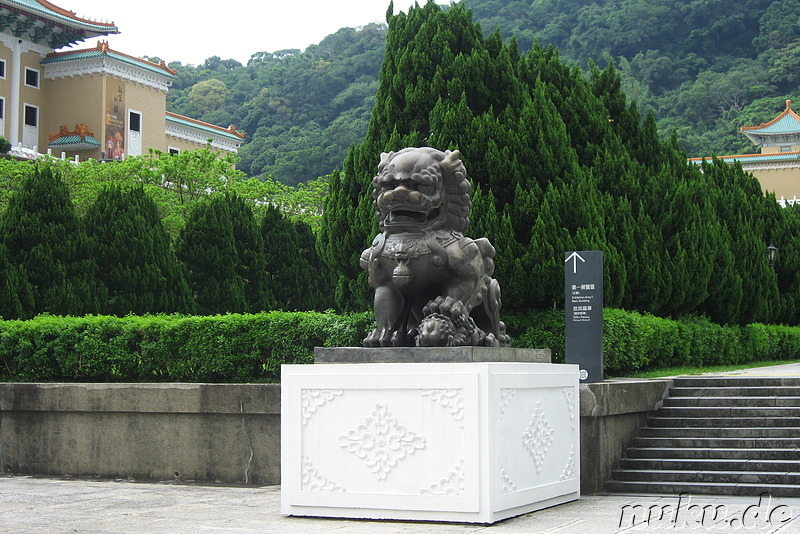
(466, 442)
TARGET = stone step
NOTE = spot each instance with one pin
(788, 443)
(715, 452)
(715, 464)
(718, 436)
(706, 412)
(720, 422)
(721, 432)
(736, 391)
(736, 381)
(701, 488)
(736, 401)
(708, 477)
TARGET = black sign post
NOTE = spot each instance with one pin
(583, 307)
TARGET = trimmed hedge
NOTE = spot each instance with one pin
(170, 348)
(251, 348)
(636, 342)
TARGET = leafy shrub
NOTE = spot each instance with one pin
(634, 342)
(251, 348)
(537, 330)
(170, 348)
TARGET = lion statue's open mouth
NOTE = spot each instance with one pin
(420, 218)
(433, 286)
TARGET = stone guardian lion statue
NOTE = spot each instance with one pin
(433, 286)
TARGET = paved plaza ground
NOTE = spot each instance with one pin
(50, 505)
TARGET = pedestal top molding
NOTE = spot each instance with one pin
(429, 355)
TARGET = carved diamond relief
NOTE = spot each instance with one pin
(451, 399)
(381, 442)
(312, 400)
(312, 480)
(538, 437)
(453, 484)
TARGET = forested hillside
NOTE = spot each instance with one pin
(300, 110)
(705, 68)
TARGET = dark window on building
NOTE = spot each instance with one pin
(2, 108)
(2, 68)
(135, 121)
(31, 77)
(31, 116)
(174, 151)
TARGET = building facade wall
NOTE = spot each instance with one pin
(5, 88)
(783, 181)
(32, 96)
(179, 144)
(151, 103)
(780, 149)
(80, 101)
(77, 91)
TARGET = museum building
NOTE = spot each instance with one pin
(87, 103)
(777, 167)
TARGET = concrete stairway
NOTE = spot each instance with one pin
(720, 436)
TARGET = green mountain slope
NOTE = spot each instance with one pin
(705, 68)
(300, 111)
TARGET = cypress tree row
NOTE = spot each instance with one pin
(559, 161)
(137, 264)
(119, 260)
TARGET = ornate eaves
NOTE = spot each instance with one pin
(106, 65)
(196, 135)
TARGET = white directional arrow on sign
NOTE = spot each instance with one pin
(574, 257)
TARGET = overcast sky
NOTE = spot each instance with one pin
(191, 31)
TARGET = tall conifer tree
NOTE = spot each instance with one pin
(559, 161)
(208, 248)
(137, 264)
(252, 261)
(299, 279)
(46, 238)
(16, 293)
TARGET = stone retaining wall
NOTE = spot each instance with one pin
(612, 412)
(205, 432)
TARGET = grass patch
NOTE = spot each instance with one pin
(679, 371)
